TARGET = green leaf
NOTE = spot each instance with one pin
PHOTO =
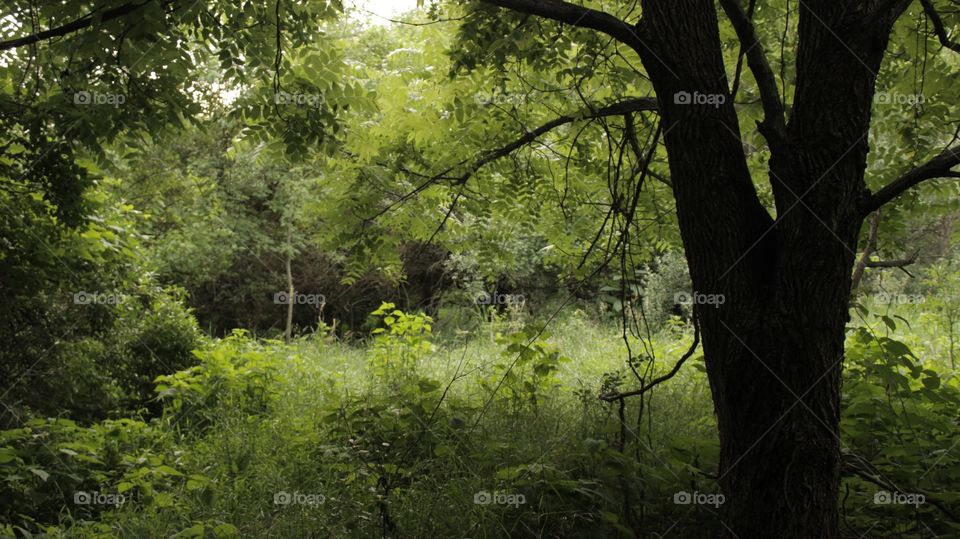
(40, 473)
(226, 530)
(196, 530)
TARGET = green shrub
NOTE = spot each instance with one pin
(153, 337)
(236, 372)
(50, 465)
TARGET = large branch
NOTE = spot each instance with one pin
(574, 15)
(616, 109)
(619, 108)
(79, 24)
(938, 167)
(938, 26)
(773, 124)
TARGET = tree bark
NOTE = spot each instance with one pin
(774, 349)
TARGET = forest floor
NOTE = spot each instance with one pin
(492, 432)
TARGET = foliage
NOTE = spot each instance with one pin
(399, 346)
(234, 373)
(173, 162)
(92, 324)
(527, 369)
(897, 424)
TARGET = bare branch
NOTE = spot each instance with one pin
(938, 26)
(938, 167)
(609, 397)
(616, 109)
(635, 146)
(894, 263)
(870, 474)
(864, 262)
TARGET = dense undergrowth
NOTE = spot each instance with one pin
(500, 434)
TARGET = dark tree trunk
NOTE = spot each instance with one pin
(775, 376)
(774, 349)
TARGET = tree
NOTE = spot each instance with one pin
(774, 351)
(82, 82)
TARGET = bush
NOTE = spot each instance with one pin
(51, 464)
(153, 337)
(236, 372)
(668, 277)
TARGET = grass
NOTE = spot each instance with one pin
(551, 454)
(361, 454)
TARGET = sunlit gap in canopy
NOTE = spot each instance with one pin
(379, 11)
